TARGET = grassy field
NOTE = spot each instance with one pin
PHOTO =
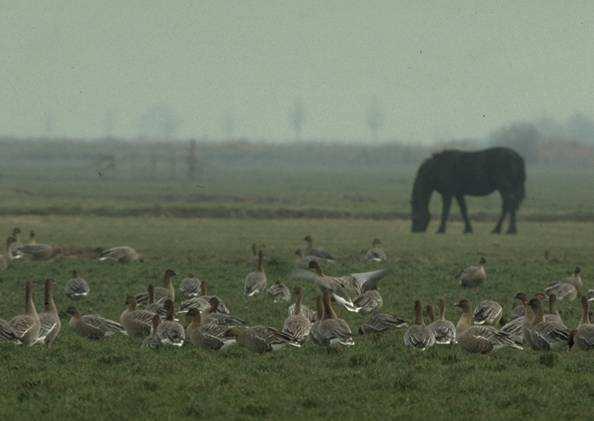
(377, 378)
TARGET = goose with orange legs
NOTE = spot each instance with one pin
(473, 276)
(582, 337)
(418, 335)
(77, 287)
(481, 339)
(255, 282)
(330, 331)
(26, 327)
(166, 291)
(93, 326)
(207, 335)
(170, 332)
(49, 318)
(138, 323)
(443, 330)
(297, 325)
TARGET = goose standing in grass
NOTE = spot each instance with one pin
(207, 335)
(77, 287)
(310, 250)
(542, 334)
(166, 291)
(26, 326)
(329, 330)
(7, 335)
(376, 254)
(297, 325)
(443, 330)
(93, 326)
(190, 286)
(568, 288)
(261, 339)
(203, 302)
(169, 331)
(473, 276)
(279, 292)
(583, 336)
(152, 341)
(123, 254)
(138, 323)
(381, 322)
(49, 319)
(255, 282)
(418, 335)
(487, 312)
(481, 339)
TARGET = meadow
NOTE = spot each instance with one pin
(343, 209)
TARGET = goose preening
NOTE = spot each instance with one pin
(122, 254)
(443, 330)
(487, 312)
(279, 292)
(77, 287)
(479, 338)
(190, 286)
(418, 335)
(49, 318)
(138, 323)
(166, 291)
(170, 332)
(255, 282)
(583, 336)
(568, 288)
(329, 330)
(26, 326)
(93, 326)
(381, 322)
(310, 250)
(542, 334)
(207, 335)
(297, 325)
(473, 276)
(376, 254)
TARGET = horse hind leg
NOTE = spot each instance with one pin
(504, 210)
(464, 211)
(513, 207)
(445, 213)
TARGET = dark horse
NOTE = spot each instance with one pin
(455, 174)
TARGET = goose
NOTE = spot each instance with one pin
(213, 315)
(123, 254)
(376, 253)
(151, 341)
(297, 325)
(190, 286)
(443, 330)
(170, 332)
(568, 288)
(7, 335)
(203, 302)
(12, 250)
(302, 261)
(381, 322)
(583, 336)
(553, 314)
(26, 326)
(156, 307)
(481, 339)
(544, 335)
(93, 326)
(261, 339)
(207, 335)
(167, 291)
(473, 276)
(49, 319)
(279, 292)
(32, 240)
(515, 327)
(310, 314)
(77, 287)
(255, 282)
(418, 335)
(138, 323)
(520, 309)
(487, 312)
(309, 250)
(330, 331)
(40, 251)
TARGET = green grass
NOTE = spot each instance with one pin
(377, 378)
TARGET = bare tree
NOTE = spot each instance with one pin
(297, 118)
(375, 118)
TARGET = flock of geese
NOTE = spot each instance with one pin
(151, 316)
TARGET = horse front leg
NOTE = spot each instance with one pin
(513, 206)
(464, 211)
(445, 212)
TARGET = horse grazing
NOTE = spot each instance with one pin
(455, 174)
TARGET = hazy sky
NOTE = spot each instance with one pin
(439, 69)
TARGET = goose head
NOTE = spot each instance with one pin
(315, 266)
(376, 242)
(464, 305)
